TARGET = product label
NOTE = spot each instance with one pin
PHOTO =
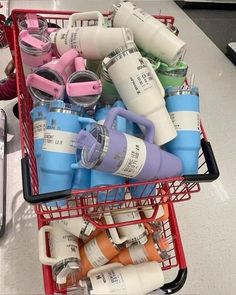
(140, 14)
(69, 38)
(39, 128)
(137, 254)
(115, 281)
(109, 282)
(142, 79)
(64, 246)
(138, 82)
(94, 254)
(186, 120)
(59, 141)
(135, 157)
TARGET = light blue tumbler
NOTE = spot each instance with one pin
(59, 149)
(183, 107)
(99, 178)
(38, 116)
(81, 179)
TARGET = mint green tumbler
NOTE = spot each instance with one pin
(172, 76)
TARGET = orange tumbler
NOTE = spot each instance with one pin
(153, 250)
(97, 252)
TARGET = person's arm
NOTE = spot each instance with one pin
(8, 89)
(9, 70)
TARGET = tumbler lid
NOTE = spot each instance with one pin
(179, 70)
(45, 85)
(59, 106)
(94, 145)
(122, 51)
(84, 89)
(65, 267)
(178, 90)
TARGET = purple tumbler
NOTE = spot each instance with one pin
(108, 150)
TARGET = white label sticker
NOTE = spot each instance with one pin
(59, 141)
(94, 254)
(138, 254)
(134, 159)
(109, 282)
(39, 128)
(142, 80)
(186, 120)
(115, 281)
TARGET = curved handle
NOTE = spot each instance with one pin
(154, 76)
(212, 167)
(32, 21)
(3, 166)
(66, 60)
(90, 15)
(44, 259)
(103, 268)
(40, 198)
(114, 112)
(113, 231)
(177, 283)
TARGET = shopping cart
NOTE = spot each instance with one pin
(176, 189)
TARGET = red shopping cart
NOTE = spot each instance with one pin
(176, 189)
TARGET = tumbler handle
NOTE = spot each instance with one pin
(114, 112)
(66, 60)
(32, 21)
(90, 15)
(44, 259)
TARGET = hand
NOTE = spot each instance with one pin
(10, 68)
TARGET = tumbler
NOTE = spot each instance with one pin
(36, 50)
(108, 150)
(83, 87)
(48, 82)
(149, 33)
(140, 89)
(117, 279)
(183, 107)
(59, 149)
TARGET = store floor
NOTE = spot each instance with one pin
(218, 24)
(207, 221)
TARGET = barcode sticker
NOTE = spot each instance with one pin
(135, 157)
(59, 141)
(39, 129)
(94, 254)
(115, 281)
(138, 254)
(186, 120)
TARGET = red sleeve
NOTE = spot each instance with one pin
(8, 89)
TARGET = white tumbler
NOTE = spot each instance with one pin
(64, 250)
(140, 89)
(94, 42)
(149, 33)
(115, 278)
